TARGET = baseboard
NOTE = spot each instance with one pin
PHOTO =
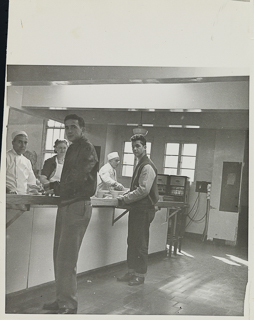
(92, 272)
(191, 235)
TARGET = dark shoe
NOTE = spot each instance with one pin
(135, 281)
(126, 278)
(51, 306)
(67, 311)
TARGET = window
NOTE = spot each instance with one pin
(180, 159)
(129, 159)
(54, 130)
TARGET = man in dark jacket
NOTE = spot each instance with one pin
(77, 184)
(141, 200)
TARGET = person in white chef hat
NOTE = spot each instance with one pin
(107, 174)
(19, 172)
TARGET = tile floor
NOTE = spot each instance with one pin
(207, 278)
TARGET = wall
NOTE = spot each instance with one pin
(229, 146)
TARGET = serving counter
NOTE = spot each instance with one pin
(29, 238)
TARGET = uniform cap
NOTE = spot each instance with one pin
(113, 155)
(17, 133)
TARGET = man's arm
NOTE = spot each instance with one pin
(105, 176)
(146, 180)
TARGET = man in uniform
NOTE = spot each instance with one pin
(107, 173)
(19, 172)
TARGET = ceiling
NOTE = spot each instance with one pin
(152, 96)
(29, 75)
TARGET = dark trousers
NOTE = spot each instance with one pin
(71, 223)
(138, 239)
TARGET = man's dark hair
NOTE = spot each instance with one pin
(139, 137)
(73, 116)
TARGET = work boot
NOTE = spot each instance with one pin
(135, 281)
(126, 278)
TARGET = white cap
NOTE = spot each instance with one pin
(113, 155)
(17, 133)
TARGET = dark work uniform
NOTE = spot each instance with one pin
(49, 167)
(78, 183)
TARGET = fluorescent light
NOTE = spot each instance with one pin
(132, 124)
(175, 126)
(147, 125)
(57, 108)
(193, 110)
(151, 110)
(193, 127)
(176, 110)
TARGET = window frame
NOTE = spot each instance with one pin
(180, 156)
(46, 128)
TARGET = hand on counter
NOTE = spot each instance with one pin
(118, 186)
(49, 192)
(52, 188)
(34, 189)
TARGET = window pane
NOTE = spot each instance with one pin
(51, 123)
(172, 148)
(188, 173)
(62, 131)
(128, 158)
(55, 124)
(148, 148)
(188, 162)
(49, 139)
(189, 149)
(170, 171)
(56, 135)
(127, 171)
(171, 161)
(127, 147)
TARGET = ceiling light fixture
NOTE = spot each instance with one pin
(140, 129)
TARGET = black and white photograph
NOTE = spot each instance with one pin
(125, 159)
